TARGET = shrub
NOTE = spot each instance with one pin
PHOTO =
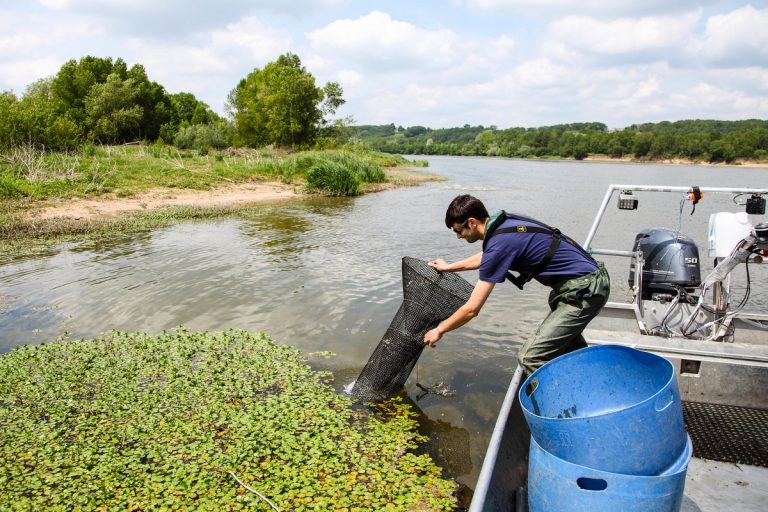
(167, 131)
(12, 187)
(201, 137)
(365, 169)
(64, 134)
(333, 178)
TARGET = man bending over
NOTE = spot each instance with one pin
(580, 285)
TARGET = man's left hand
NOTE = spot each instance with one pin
(432, 337)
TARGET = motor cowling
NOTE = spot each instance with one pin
(670, 262)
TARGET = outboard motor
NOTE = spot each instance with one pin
(671, 263)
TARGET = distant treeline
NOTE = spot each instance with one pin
(695, 140)
(97, 100)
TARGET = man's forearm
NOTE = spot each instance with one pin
(471, 263)
(460, 317)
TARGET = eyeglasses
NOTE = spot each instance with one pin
(461, 227)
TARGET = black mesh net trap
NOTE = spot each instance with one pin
(428, 297)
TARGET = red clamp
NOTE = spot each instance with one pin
(695, 195)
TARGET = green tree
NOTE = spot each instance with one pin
(73, 82)
(156, 107)
(9, 122)
(280, 104)
(721, 151)
(111, 111)
(332, 93)
(35, 120)
(642, 144)
(184, 104)
(201, 114)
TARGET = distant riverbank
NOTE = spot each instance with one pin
(677, 161)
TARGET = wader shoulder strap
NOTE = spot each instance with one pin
(521, 279)
(557, 236)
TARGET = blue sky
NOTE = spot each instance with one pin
(433, 63)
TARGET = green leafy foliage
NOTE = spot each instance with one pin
(133, 421)
(337, 173)
(112, 112)
(97, 100)
(333, 178)
(201, 137)
(280, 104)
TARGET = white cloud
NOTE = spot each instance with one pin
(751, 80)
(171, 18)
(18, 74)
(376, 40)
(553, 9)
(21, 43)
(213, 66)
(711, 101)
(485, 62)
(649, 38)
(31, 48)
(349, 78)
(736, 39)
(251, 39)
(425, 98)
(540, 73)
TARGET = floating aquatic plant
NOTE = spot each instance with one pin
(199, 421)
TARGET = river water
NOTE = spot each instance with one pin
(324, 274)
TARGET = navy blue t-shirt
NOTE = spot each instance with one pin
(522, 252)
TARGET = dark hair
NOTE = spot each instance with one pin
(463, 207)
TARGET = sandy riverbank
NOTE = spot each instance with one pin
(226, 196)
(675, 161)
(112, 206)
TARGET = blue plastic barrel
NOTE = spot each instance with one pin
(682, 461)
(556, 484)
(611, 408)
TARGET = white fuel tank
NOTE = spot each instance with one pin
(726, 229)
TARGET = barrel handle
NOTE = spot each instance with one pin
(664, 401)
(591, 484)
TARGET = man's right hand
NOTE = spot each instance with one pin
(439, 264)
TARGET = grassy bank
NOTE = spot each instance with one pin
(29, 174)
(32, 180)
(133, 421)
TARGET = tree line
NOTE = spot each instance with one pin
(100, 101)
(97, 100)
(695, 140)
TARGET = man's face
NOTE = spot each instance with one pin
(467, 230)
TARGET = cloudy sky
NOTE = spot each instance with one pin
(433, 63)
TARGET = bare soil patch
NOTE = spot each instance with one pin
(112, 206)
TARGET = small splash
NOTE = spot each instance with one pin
(348, 388)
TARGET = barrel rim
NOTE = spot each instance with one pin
(593, 472)
(525, 399)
